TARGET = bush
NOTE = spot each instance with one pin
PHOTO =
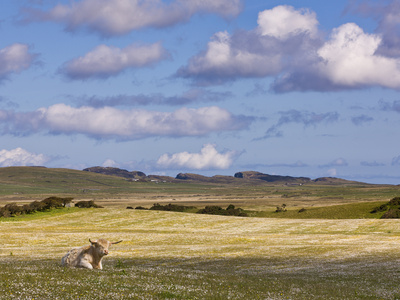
(87, 204)
(171, 207)
(391, 209)
(12, 209)
(141, 207)
(281, 208)
(391, 214)
(217, 210)
(381, 208)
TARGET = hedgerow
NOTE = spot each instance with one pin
(217, 210)
(14, 210)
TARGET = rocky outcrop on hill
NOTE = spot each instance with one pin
(240, 178)
(190, 176)
(271, 178)
(117, 172)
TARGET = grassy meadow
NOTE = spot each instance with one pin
(167, 255)
(334, 249)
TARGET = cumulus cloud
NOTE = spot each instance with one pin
(225, 60)
(21, 157)
(117, 17)
(305, 118)
(188, 97)
(288, 46)
(112, 123)
(110, 163)
(15, 59)
(105, 61)
(284, 21)
(387, 15)
(350, 59)
(208, 158)
(265, 51)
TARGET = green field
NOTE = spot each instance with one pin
(166, 255)
(335, 249)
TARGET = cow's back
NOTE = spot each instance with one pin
(72, 257)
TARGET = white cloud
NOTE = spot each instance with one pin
(208, 158)
(332, 172)
(283, 34)
(284, 21)
(105, 61)
(110, 163)
(223, 60)
(287, 45)
(14, 59)
(21, 157)
(109, 122)
(350, 59)
(119, 17)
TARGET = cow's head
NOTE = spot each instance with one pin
(102, 246)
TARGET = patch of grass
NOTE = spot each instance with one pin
(168, 255)
(241, 278)
(345, 211)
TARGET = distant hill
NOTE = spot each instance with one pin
(238, 178)
(117, 172)
(271, 178)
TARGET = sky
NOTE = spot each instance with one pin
(214, 87)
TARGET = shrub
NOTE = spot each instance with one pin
(281, 208)
(218, 210)
(87, 204)
(140, 207)
(395, 201)
(302, 210)
(391, 214)
(171, 207)
(212, 210)
(391, 209)
(381, 208)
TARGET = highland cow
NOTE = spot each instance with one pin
(88, 256)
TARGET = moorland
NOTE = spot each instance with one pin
(334, 249)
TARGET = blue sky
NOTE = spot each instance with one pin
(299, 88)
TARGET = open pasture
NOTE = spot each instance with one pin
(25, 184)
(168, 255)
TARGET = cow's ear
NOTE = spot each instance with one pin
(95, 242)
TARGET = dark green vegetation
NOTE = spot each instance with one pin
(235, 278)
(231, 210)
(362, 210)
(391, 210)
(172, 207)
(48, 204)
(13, 210)
(210, 210)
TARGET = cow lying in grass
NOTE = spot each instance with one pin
(87, 256)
